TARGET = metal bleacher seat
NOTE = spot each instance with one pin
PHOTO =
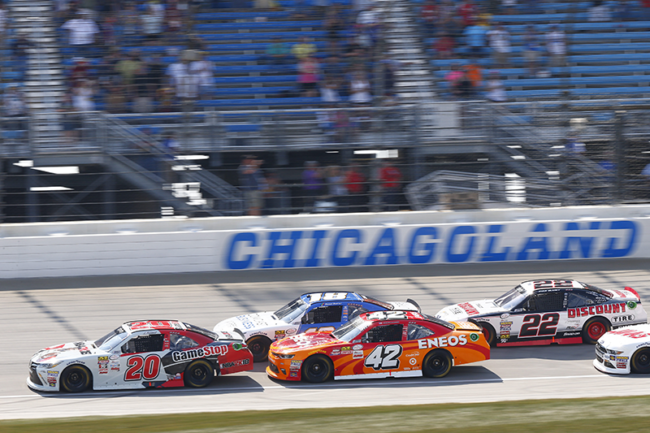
(275, 102)
(257, 25)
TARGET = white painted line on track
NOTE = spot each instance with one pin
(434, 382)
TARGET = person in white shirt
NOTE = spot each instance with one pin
(82, 33)
(203, 69)
(556, 47)
(494, 88)
(500, 44)
(599, 12)
(183, 80)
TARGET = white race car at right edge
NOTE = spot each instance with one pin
(625, 350)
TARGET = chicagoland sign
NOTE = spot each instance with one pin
(444, 243)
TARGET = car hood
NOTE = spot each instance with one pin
(628, 335)
(465, 310)
(64, 352)
(250, 323)
(303, 341)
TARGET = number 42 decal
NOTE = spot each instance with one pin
(384, 357)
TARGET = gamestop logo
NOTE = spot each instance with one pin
(201, 352)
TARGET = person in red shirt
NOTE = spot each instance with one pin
(444, 46)
(355, 182)
(390, 177)
(467, 12)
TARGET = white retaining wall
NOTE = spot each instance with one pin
(215, 244)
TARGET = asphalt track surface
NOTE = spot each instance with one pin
(38, 313)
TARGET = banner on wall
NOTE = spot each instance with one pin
(422, 244)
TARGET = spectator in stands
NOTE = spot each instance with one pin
(312, 185)
(509, 7)
(464, 89)
(20, 53)
(494, 88)
(130, 20)
(599, 12)
(334, 24)
(127, 68)
(115, 99)
(444, 46)
(500, 44)
(532, 49)
(556, 47)
(475, 37)
(156, 74)
(303, 49)
(390, 183)
(277, 53)
(3, 23)
(143, 96)
(429, 16)
(203, 70)
(152, 26)
(467, 12)
(446, 10)
(82, 31)
(252, 182)
(337, 192)
(355, 183)
(474, 74)
(82, 96)
(360, 89)
(453, 77)
(452, 27)
(108, 31)
(330, 92)
(13, 105)
(181, 78)
(308, 76)
(173, 21)
(368, 23)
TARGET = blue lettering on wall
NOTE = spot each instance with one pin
(429, 248)
(457, 232)
(490, 254)
(611, 250)
(583, 243)
(313, 260)
(276, 249)
(240, 238)
(338, 259)
(385, 246)
(536, 243)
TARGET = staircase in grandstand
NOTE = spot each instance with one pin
(43, 83)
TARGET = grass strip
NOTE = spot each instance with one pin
(607, 415)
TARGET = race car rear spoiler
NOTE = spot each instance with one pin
(416, 304)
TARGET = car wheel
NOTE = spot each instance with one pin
(641, 361)
(594, 329)
(490, 335)
(437, 363)
(199, 373)
(317, 369)
(259, 347)
(75, 378)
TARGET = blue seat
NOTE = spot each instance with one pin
(265, 36)
(538, 18)
(252, 90)
(258, 25)
(632, 46)
(13, 135)
(243, 128)
(259, 102)
(223, 16)
(251, 47)
(250, 80)
(609, 58)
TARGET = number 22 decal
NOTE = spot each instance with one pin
(139, 368)
(537, 325)
(384, 357)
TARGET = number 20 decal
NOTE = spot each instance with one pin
(384, 357)
(537, 325)
(138, 368)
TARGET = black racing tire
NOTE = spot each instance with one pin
(437, 364)
(317, 369)
(594, 329)
(199, 373)
(641, 361)
(489, 333)
(259, 347)
(76, 378)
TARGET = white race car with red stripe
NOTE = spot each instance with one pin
(550, 311)
(625, 350)
(136, 355)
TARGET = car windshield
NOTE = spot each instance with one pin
(292, 310)
(112, 339)
(512, 298)
(351, 330)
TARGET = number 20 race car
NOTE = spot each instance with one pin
(552, 311)
(311, 312)
(377, 345)
(625, 350)
(148, 354)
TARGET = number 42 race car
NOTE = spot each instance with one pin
(136, 355)
(551, 311)
(377, 345)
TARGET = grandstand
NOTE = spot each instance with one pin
(110, 108)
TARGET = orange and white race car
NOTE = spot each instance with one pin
(376, 345)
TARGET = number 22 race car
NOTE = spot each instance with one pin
(551, 311)
(148, 354)
(311, 312)
(377, 345)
